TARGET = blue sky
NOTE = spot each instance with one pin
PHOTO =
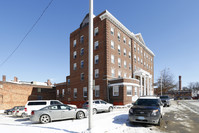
(170, 29)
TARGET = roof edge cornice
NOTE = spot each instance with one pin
(110, 17)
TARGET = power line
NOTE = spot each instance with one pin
(29, 31)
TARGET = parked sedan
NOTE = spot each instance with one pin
(57, 112)
(165, 100)
(12, 110)
(20, 112)
(99, 106)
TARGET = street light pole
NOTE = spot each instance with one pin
(90, 65)
(161, 84)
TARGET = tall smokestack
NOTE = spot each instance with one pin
(180, 84)
(4, 78)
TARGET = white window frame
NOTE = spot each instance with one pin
(129, 42)
(63, 92)
(96, 31)
(135, 91)
(96, 45)
(75, 93)
(82, 39)
(96, 59)
(124, 40)
(129, 89)
(85, 91)
(125, 66)
(74, 43)
(112, 72)
(119, 74)
(57, 92)
(119, 62)
(74, 54)
(96, 73)
(119, 49)
(124, 52)
(112, 44)
(82, 61)
(118, 36)
(97, 91)
(75, 66)
(112, 31)
(125, 75)
(82, 51)
(113, 59)
(116, 90)
(130, 55)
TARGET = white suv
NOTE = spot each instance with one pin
(38, 104)
(99, 106)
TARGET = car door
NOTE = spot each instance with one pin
(104, 106)
(55, 112)
(97, 105)
(67, 112)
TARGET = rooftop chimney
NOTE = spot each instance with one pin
(180, 84)
(49, 83)
(15, 79)
(4, 78)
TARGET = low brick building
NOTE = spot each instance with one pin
(17, 93)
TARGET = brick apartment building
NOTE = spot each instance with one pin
(17, 93)
(123, 67)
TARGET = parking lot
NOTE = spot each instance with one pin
(179, 117)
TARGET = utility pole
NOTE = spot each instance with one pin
(90, 66)
(161, 83)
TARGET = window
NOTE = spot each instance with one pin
(141, 50)
(82, 76)
(38, 89)
(82, 39)
(112, 59)
(112, 31)
(141, 61)
(96, 59)
(124, 75)
(57, 92)
(75, 66)
(138, 49)
(82, 51)
(63, 92)
(119, 62)
(144, 63)
(130, 55)
(151, 59)
(144, 54)
(96, 31)
(129, 66)
(74, 55)
(85, 92)
(119, 49)
(96, 73)
(82, 63)
(147, 66)
(119, 74)
(112, 72)
(69, 90)
(118, 36)
(68, 81)
(138, 59)
(115, 90)
(135, 58)
(129, 42)
(124, 39)
(97, 91)
(135, 91)
(124, 52)
(75, 93)
(135, 47)
(96, 45)
(129, 90)
(112, 45)
(124, 64)
(74, 43)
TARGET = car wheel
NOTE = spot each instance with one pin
(94, 111)
(9, 113)
(45, 119)
(23, 115)
(159, 122)
(110, 109)
(80, 115)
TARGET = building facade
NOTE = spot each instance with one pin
(123, 66)
(17, 93)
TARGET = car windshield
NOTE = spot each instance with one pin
(147, 102)
(164, 97)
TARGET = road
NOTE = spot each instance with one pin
(181, 117)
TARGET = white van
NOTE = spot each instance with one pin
(38, 104)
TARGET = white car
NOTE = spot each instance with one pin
(38, 104)
(99, 106)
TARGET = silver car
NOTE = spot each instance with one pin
(99, 106)
(57, 112)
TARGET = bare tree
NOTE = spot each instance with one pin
(194, 86)
(166, 79)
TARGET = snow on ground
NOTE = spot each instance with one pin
(113, 122)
